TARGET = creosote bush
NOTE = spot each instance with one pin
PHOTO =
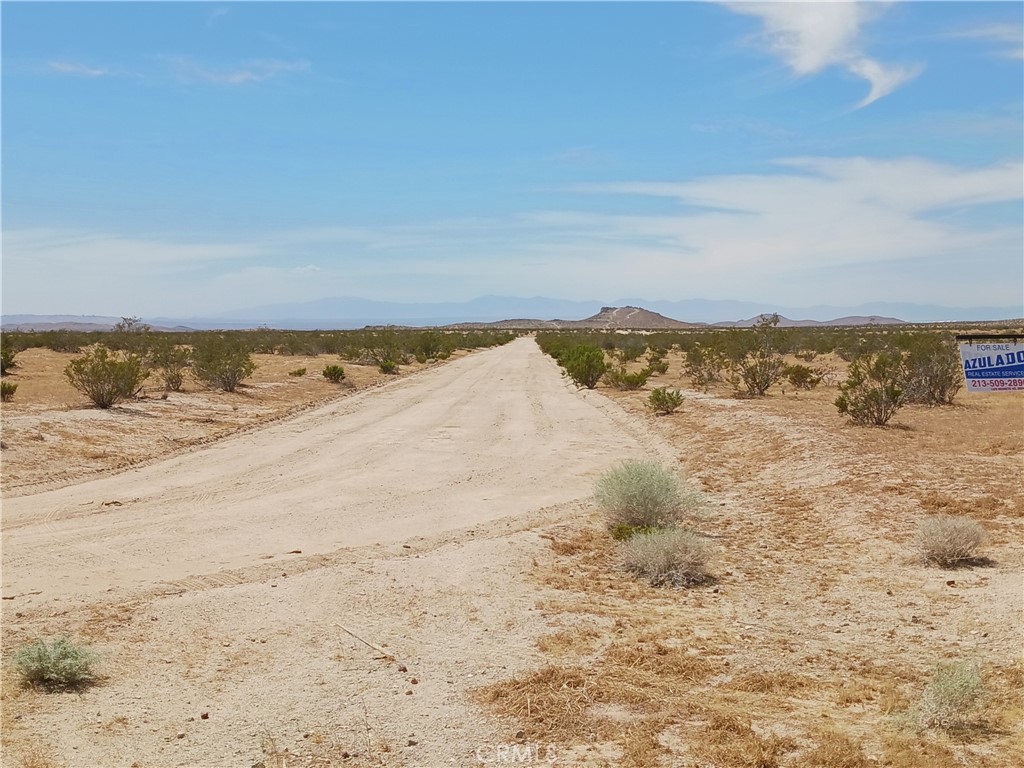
(873, 390)
(106, 378)
(584, 364)
(664, 400)
(620, 379)
(642, 494)
(7, 390)
(221, 361)
(951, 697)
(670, 557)
(170, 362)
(297, 372)
(801, 376)
(334, 373)
(59, 665)
(949, 541)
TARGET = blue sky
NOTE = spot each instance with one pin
(182, 159)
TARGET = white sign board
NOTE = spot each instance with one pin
(996, 366)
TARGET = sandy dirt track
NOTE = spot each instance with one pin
(413, 508)
(491, 435)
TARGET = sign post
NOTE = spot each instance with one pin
(992, 362)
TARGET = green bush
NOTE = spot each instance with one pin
(753, 358)
(620, 379)
(801, 376)
(631, 348)
(8, 351)
(7, 390)
(667, 558)
(873, 390)
(297, 372)
(169, 361)
(664, 400)
(949, 541)
(951, 697)
(106, 378)
(60, 665)
(932, 370)
(221, 361)
(704, 365)
(334, 373)
(642, 494)
(584, 364)
(657, 365)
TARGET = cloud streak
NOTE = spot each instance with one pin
(904, 229)
(812, 37)
(1009, 37)
(253, 71)
(75, 69)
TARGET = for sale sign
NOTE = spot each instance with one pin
(996, 366)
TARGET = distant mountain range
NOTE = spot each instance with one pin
(348, 312)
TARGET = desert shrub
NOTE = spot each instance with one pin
(826, 373)
(385, 350)
(7, 390)
(584, 364)
(873, 390)
(951, 697)
(656, 362)
(801, 376)
(631, 349)
(807, 355)
(667, 558)
(130, 334)
(949, 541)
(334, 373)
(932, 370)
(170, 362)
(619, 378)
(297, 372)
(643, 494)
(61, 664)
(106, 378)
(753, 359)
(8, 351)
(429, 345)
(221, 362)
(704, 365)
(664, 400)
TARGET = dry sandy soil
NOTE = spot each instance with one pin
(412, 574)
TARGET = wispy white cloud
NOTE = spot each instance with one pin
(76, 69)
(215, 15)
(252, 71)
(1008, 37)
(897, 229)
(812, 37)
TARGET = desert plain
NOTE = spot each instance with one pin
(410, 571)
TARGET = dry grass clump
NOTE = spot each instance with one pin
(949, 541)
(770, 682)
(551, 703)
(727, 740)
(642, 494)
(951, 698)
(671, 557)
(836, 750)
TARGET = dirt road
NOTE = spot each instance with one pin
(491, 435)
(216, 580)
